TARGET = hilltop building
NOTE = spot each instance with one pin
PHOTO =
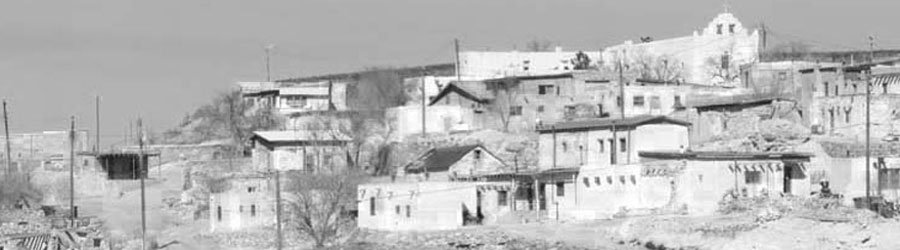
(712, 56)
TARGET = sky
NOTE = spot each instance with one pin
(161, 59)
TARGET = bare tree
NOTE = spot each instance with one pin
(506, 93)
(723, 70)
(792, 50)
(657, 67)
(537, 45)
(318, 205)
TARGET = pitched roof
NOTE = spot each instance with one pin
(468, 92)
(604, 123)
(300, 135)
(440, 159)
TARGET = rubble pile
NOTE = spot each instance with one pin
(263, 238)
(774, 135)
(481, 239)
(22, 221)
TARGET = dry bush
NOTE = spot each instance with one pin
(318, 205)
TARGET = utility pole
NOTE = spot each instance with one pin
(424, 96)
(456, 52)
(621, 100)
(280, 236)
(8, 153)
(141, 176)
(868, 121)
(97, 113)
(268, 49)
(72, 171)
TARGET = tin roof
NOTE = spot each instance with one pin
(723, 155)
(300, 135)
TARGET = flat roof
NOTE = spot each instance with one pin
(723, 155)
(604, 123)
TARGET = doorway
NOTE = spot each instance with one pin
(788, 172)
(542, 199)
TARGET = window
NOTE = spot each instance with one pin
(477, 154)
(655, 103)
(515, 110)
(597, 180)
(847, 115)
(678, 101)
(251, 189)
(889, 178)
(502, 198)
(241, 208)
(560, 189)
(219, 213)
(565, 146)
(726, 58)
(638, 101)
(540, 109)
(86, 161)
(719, 29)
(397, 209)
(782, 75)
(600, 142)
(836, 90)
(622, 179)
(372, 206)
(609, 180)
(633, 180)
(731, 28)
(408, 211)
(253, 210)
(545, 89)
(753, 177)
(586, 181)
(622, 145)
(825, 88)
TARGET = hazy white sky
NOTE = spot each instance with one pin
(161, 59)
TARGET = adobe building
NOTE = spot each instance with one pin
(712, 56)
(431, 205)
(305, 150)
(499, 64)
(246, 202)
(844, 167)
(837, 94)
(608, 141)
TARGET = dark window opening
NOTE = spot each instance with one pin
(515, 110)
(731, 28)
(718, 29)
(545, 89)
(638, 101)
(560, 189)
(825, 88)
(219, 213)
(586, 181)
(253, 210)
(597, 180)
(600, 142)
(540, 109)
(622, 145)
(372, 206)
(477, 154)
(753, 177)
(397, 209)
(502, 197)
(408, 211)
(678, 101)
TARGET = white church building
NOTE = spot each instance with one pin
(712, 56)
